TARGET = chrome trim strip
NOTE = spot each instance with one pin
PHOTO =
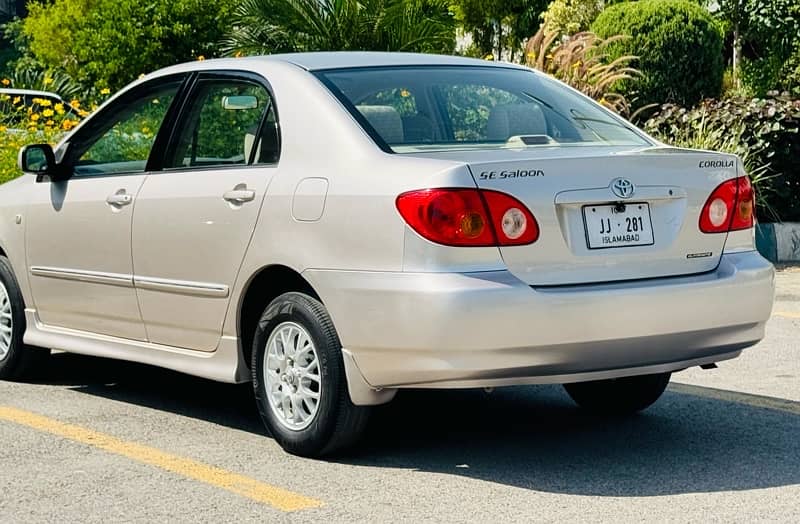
(94, 277)
(184, 287)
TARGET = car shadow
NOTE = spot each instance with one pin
(527, 437)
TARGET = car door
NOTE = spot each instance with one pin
(194, 219)
(78, 229)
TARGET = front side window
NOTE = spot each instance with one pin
(122, 141)
(472, 107)
(226, 125)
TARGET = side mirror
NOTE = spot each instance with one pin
(37, 159)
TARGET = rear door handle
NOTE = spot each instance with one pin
(239, 196)
(119, 199)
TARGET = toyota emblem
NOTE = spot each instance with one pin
(622, 187)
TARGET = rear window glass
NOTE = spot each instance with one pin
(462, 107)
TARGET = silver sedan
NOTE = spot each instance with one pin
(333, 227)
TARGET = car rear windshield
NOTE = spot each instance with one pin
(439, 108)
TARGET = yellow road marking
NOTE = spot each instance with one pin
(758, 401)
(247, 487)
(785, 314)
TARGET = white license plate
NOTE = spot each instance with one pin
(618, 226)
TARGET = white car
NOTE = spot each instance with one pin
(337, 226)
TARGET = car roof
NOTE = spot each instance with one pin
(336, 60)
(348, 59)
(31, 92)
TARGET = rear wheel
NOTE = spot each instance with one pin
(619, 396)
(299, 379)
(17, 361)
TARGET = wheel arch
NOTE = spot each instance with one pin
(262, 288)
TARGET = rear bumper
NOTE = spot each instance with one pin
(490, 329)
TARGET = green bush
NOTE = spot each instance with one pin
(765, 132)
(679, 46)
(108, 43)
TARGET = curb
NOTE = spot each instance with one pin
(779, 242)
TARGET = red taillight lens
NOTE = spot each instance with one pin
(730, 207)
(468, 217)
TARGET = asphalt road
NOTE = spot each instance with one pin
(103, 441)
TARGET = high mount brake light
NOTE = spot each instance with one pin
(731, 207)
(468, 217)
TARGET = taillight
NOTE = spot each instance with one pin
(730, 207)
(468, 217)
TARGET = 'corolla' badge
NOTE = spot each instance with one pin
(622, 187)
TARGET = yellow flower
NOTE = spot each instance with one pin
(201, 58)
(105, 91)
(47, 80)
(81, 112)
(75, 104)
(6, 82)
(47, 113)
(3, 129)
(16, 100)
(59, 109)
(68, 124)
(490, 56)
(238, 54)
(34, 117)
(45, 103)
(404, 93)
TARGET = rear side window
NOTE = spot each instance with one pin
(409, 109)
(229, 122)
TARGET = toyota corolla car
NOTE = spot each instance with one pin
(337, 226)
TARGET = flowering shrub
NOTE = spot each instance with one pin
(31, 120)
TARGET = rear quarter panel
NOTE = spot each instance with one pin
(360, 228)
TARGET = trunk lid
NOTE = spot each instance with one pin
(607, 213)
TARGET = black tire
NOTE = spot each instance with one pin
(619, 396)
(20, 361)
(337, 423)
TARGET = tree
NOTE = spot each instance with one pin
(568, 17)
(767, 30)
(274, 26)
(108, 43)
(499, 27)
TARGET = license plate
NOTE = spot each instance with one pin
(618, 225)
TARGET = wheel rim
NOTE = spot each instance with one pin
(292, 376)
(6, 322)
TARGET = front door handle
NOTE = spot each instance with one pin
(120, 198)
(239, 196)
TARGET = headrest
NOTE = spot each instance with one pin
(386, 121)
(510, 120)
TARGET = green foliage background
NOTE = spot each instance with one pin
(679, 45)
(108, 43)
